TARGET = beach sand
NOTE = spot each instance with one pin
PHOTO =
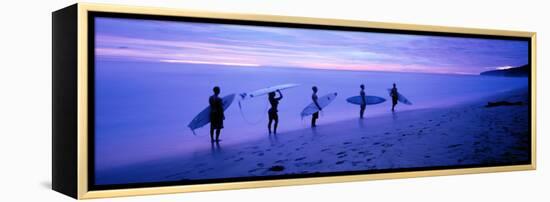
(467, 134)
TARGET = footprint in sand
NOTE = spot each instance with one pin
(239, 159)
(299, 159)
(346, 143)
(174, 175)
(281, 161)
(308, 164)
(324, 150)
(205, 170)
(340, 162)
(454, 145)
(254, 170)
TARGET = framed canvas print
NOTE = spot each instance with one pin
(150, 101)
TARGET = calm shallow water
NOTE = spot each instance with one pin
(142, 109)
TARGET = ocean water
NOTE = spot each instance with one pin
(142, 109)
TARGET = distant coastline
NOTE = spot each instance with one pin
(521, 71)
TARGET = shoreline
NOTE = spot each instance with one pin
(411, 138)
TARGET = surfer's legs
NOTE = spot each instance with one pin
(211, 133)
(218, 131)
(269, 124)
(276, 119)
(394, 102)
(362, 111)
(273, 117)
(314, 119)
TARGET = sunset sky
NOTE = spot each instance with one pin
(257, 47)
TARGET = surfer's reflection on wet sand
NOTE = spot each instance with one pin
(273, 139)
(361, 123)
(215, 147)
(394, 115)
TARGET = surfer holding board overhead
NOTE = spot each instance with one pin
(216, 114)
(272, 112)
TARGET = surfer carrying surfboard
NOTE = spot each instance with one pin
(315, 115)
(216, 114)
(394, 97)
(364, 101)
(272, 112)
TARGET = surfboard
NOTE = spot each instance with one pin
(401, 98)
(370, 100)
(267, 90)
(203, 117)
(322, 101)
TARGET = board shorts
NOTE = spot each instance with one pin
(216, 121)
(315, 115)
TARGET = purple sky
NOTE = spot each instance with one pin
(255, 46)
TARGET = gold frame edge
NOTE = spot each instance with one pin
(85, 193)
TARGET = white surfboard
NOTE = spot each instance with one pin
(267, 90)
(322, 101)
(203, 117)
(401, 98)
(370, 100)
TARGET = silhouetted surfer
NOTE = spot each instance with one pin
(315, 115)
(394, 97)
(273, 116)
(364, 99)
(216, 114)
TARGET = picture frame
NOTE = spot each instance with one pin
(76, 150)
